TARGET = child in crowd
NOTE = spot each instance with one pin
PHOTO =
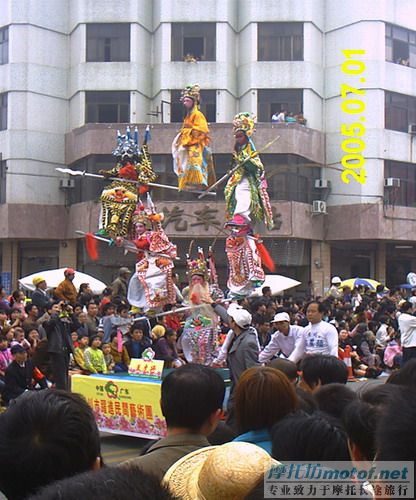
(19, 338)
(121, 358)
(74, 338)
(94, 357)
(109, 360)
(122, 321)
(79, 353)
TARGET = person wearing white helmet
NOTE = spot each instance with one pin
(335, 290)
(284, 340)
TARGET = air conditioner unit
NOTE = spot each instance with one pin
(390, 182)
(322, 183)
(318, 207)
(412, 129)
(66, 183)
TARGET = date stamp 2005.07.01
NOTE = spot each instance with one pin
(353, 105)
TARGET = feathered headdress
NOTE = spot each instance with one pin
(244, 121)
(191, 91)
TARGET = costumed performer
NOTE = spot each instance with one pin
(151, 287)
(119, 199)
(246, 189)
(247, 203)
(192, 158)
(199, 339)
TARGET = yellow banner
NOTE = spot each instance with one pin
(123, 405)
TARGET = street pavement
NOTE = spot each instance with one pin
(116, 449)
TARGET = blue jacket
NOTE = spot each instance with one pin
(260, 438)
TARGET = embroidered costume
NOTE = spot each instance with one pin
(192, 158)
(200, 335)
(247, 203)
(246, 189)
(151, 287)
(119, 199)
(244, 262)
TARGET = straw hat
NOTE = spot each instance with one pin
(227, 472)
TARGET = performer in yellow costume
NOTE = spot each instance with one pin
(192, 158)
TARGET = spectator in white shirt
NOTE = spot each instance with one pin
(384, 333)
(318, 337)
(284, 340)
(412, 299)
(407, 326)
(279, 117)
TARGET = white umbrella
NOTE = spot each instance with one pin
(277, 283)
(54, 276)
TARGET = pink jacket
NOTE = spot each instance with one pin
(5, 359)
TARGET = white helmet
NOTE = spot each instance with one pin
(336, 280)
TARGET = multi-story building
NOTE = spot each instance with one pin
(74, 71)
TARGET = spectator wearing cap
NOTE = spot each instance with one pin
(284, 340)
(66, 290)
(335, 290)
(40, 296)
(120, 284)
(243, 351)
(20, 375)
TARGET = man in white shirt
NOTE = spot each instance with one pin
(284, 340)
(407, 326)
(318, 337)
(412, 299)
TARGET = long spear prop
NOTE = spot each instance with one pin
(181, 309)
(128, 246)
(232, 170)
(83, 173)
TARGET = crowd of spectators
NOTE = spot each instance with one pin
(289, 361)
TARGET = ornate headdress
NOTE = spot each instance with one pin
(191, 91)
(244, 121)
(140, 216)
(127, 144)
(198, 266)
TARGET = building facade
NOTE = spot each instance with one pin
(343, 188)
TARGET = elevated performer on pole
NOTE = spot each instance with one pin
(119, 199)
(192, 158)
(151, 287)
(247, 204)
(246, 190)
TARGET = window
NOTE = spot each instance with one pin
(197, 40)
(87, 188)
(270, 101)
(3, 111)
(280, 42)
(108, 42)
(400, 45)
(107, 107)
(3, 171)
(208, 106)
(400, 111)
(35, 256)
(4, 45)
(405, 195)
